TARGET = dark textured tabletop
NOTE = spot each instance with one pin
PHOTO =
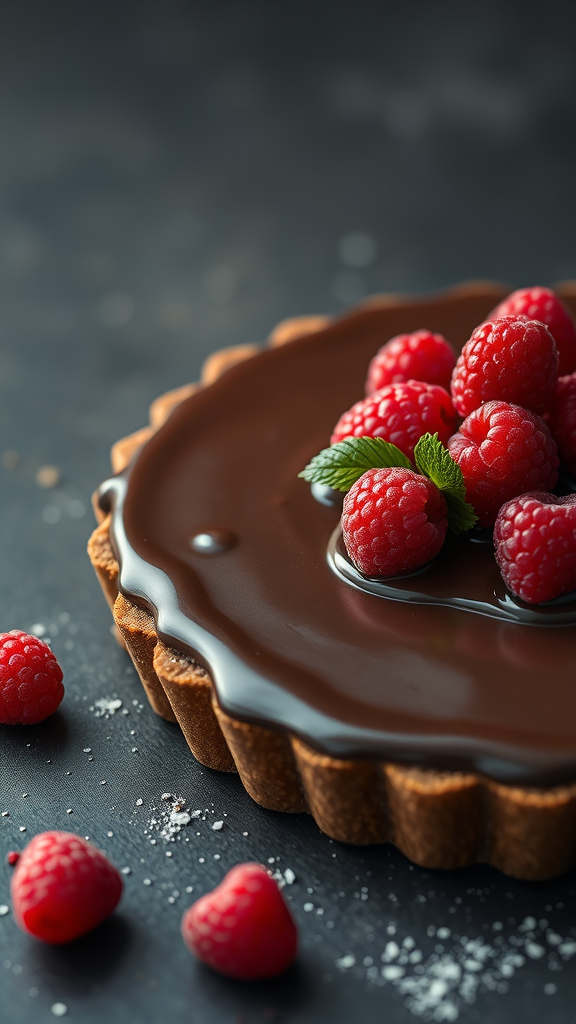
(175, 177)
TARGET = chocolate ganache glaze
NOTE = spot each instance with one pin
(217, 536)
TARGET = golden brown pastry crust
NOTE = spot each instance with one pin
(438, 819)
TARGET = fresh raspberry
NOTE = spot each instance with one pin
(30, 679)
(242, 928)
(535, 538)
(12, 857)
(543, 305)
(400, 414)
(63, 887)
(418, 356)
(561, 419)
(503, 450)
(510, 360)
(393, 521)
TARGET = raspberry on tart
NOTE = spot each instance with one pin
(393, 521)
(30, 679)
(543, 305)
(510, 359)
(400, 414)
(503, 450)
(561, 418)
(63, 887)
(535, 539)
(243, 928)
(421, 355)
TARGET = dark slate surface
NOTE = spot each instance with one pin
(177, 177)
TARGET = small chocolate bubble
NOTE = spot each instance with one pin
(213, 540)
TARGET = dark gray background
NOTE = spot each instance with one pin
(177, 177)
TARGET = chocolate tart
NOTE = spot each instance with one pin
(437, 714)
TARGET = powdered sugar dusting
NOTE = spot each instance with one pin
(438, 983)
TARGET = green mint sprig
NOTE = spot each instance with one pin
(344, 463)
(434, 461)
(341, 465)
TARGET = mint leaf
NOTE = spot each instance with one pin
(435, 461)
(343, 463)
(461, 515)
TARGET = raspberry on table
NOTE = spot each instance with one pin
(421, 355)
(393, 521)
(503, 450)
(535, 539)
(30, 679)
(400, 414)
(63, 887)
(561, 418)
(511, 359)
(243, 928)
(543, 305)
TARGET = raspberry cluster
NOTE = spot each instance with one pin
(499, 466)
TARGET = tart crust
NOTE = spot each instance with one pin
(439, 819)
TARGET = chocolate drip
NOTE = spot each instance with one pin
(287, 641)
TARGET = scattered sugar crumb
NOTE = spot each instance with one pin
(104, 707)
(4, 909)
(180, 817)
(345, 962)
(217, 826)
(59, 1009)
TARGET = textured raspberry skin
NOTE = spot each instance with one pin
(561, 419)
(30, 679)
(510, 360)
(418, 356)
(543, 305)
(393, 521)
(63, 887)
(535, 539)
(243, 928)
(503, 450)
(400, 413)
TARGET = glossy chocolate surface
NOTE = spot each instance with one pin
(286, 641)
